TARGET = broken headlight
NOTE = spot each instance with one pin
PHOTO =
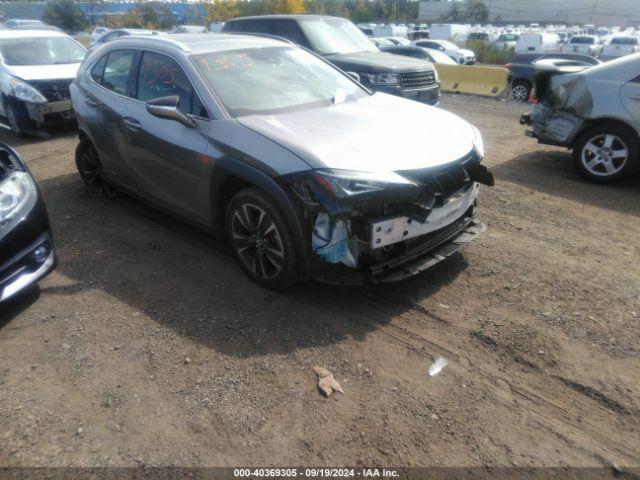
(25, 92)
(348, 183)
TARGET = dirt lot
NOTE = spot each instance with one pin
(149, 346)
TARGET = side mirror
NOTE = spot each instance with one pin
(167, 107)
(355, 76)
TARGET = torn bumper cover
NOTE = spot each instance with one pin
(396, 231)
(565, 102)
(44, 113)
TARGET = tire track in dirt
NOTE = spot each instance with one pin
(550, 413)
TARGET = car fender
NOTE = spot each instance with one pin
(229, 166)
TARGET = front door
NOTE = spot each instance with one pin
(167, 157)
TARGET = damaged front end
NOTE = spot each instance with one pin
(565, 102)
(377, 227)
(34, 105)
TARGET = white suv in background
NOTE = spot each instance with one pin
(461, 56)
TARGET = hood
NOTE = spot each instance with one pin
(374, 62)
(378, 133)
(43, 72)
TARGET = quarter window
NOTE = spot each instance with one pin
(161, 76)
(117, 69)
(98, 68)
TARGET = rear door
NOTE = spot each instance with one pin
(108, 94)
(168, 158)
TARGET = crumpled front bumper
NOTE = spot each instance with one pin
(50, 112)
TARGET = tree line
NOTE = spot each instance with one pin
(67, 14)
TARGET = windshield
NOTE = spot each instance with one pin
(624, 41)
(41, 51)
(508, 38)
(274, 80)
(583, 40)
(335, 35)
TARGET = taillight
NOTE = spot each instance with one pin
(532, 97)
(507, 66)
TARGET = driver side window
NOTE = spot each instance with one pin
(161, 76)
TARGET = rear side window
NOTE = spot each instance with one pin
(259, 26)
(117, 69)
(161, 76)
(98, 68)
(235, 26)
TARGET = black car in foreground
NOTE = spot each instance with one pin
(522, 69)
(342, 43)
(26, 245)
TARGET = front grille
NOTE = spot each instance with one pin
(53, 90)
(422, 79)
(444, 180)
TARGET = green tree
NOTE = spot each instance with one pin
(361, 12)
(477, 11)
(291, 6)
(64, 14)
(221, 10)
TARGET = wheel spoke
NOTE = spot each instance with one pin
(591, 148)
(240, 214)
(592, 164)
(608, 141)
(609, 167)
(622, 153)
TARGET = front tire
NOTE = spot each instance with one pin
(606, 154)
(260, 239)
(90, 168)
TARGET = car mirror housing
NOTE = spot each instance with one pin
(167, 107)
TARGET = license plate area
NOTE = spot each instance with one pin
(397, 229)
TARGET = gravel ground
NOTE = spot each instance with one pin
(148, 346)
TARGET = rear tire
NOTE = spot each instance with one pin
(521, 91)
(260, 239)
(606, 154)
(90, 168)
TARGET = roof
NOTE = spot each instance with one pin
(203, 42)
(295, 17)
(30, 33)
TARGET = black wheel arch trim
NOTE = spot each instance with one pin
(227, 167)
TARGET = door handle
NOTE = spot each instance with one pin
(92, 103)
(131, 124)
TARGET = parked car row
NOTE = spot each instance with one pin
(307, 181)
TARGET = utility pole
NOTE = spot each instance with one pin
(595, 7)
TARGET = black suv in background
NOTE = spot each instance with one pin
(343, 44)
(522, 70)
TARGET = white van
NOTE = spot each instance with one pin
(391, 31)
(538, 42)
(449, 31)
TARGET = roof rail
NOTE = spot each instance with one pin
(265, 35)
(155, 36)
